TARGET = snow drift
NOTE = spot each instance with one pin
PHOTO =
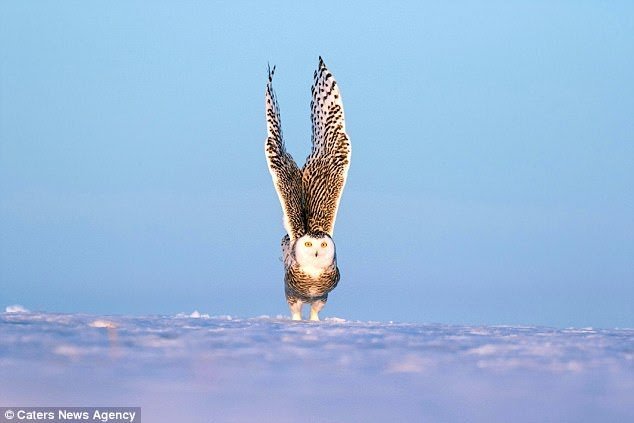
(196, 368)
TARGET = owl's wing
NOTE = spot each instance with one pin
(326, 169)
(287, 178)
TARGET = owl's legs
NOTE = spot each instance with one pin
(296, 308)
(315, 308)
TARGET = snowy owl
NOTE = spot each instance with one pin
(310, 196)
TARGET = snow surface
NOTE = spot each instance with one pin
(197, 368)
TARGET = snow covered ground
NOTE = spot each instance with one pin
(196, 368)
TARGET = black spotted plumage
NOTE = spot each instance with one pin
(310, 197)
(287, 177)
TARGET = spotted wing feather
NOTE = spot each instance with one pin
(326, 169)
(287, 178)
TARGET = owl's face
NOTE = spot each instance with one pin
(317, 252)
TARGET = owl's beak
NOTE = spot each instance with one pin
(316, 253)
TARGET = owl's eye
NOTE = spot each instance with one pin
(308, 244)
(324, 245)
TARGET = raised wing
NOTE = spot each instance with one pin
(287, 178)
(324, 175)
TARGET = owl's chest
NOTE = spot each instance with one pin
(314, 274)
(311, 271)
(311, 282)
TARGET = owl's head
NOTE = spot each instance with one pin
(315, 250)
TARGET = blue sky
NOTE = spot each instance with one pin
(491, 179)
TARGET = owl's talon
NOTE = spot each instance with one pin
(315, 308)
(296, 310)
